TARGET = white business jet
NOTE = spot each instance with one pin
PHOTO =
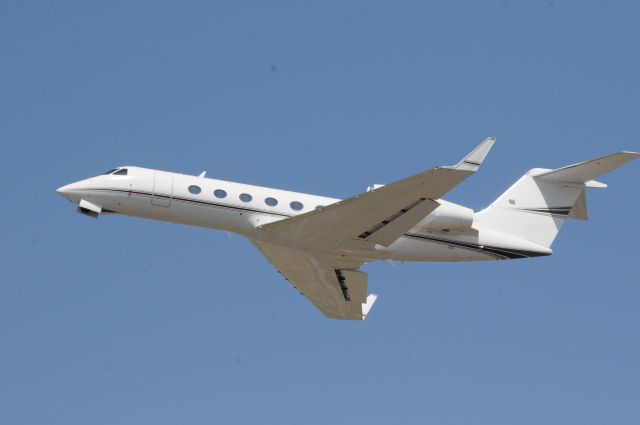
(318, 244)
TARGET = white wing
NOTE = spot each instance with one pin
(317, 251)
(332, 284)
(379, 216)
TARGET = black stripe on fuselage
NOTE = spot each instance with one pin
(195, 201)
(498, 253)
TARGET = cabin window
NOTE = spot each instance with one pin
(245, 197)
(295, 205)
(272, 202)
(109, 172)
(121, 172)
(219, 193)
(194, 189)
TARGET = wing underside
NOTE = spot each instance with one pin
(335, 286)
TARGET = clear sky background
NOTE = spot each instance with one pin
(124, 321)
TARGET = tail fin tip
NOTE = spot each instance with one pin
(587, 171)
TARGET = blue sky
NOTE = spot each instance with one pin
(124, 321)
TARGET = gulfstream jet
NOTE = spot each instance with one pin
(319, 244)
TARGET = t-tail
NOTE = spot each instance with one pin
(537, 205)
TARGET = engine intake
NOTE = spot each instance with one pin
(89, 209)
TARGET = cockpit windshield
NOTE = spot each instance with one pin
(117, 172)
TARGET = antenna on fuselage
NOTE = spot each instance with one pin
(202, 174)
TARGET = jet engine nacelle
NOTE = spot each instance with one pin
(87, 208)
(448, 217)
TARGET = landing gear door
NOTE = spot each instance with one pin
(162, 189)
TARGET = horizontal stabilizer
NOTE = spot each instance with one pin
(584, 172)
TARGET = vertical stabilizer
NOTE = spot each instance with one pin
(537, 205)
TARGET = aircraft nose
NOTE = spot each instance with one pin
(62, 190)
(69, 191)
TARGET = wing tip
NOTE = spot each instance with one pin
(366, 307)
(474, 159)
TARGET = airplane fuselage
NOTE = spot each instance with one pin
(319, 244)
(450, 233)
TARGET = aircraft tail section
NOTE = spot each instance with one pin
(537, 205)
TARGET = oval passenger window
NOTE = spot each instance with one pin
(272, 202)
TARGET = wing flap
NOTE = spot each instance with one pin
(356, 284)
(332, 284)
(388, 231)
